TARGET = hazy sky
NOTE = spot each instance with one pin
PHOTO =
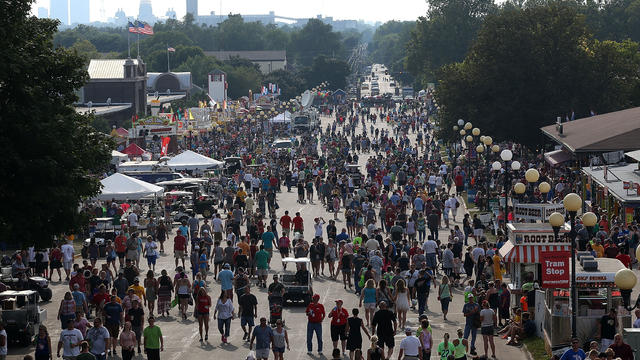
(369, 10)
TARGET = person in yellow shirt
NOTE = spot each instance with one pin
(598, 249)
(137, 289)
(497, 269)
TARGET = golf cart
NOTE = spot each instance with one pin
(296, 289)
(21, 315)
(233, 164)
(102, 229)
(25, 282)
(353, 171)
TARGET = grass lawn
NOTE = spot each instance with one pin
(536, 348)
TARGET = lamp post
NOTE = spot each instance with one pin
(544, 188)
(487, 141)
(572, 203)
(506, 155)
(625, 280)
(532, 175)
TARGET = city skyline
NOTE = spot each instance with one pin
(371, 11)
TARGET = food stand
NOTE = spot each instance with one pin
(522, 253)
(597, 294)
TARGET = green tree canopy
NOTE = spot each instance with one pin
(529, 66)
(52, 156)
(315, 38)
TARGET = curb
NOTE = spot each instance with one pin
(526, 352)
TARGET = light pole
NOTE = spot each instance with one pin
(506, 155)
(572, 203)
(487, 141)
(625, 280)
(532, 175)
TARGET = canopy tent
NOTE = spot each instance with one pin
(557, 157)
(117, 157)
(281, 118)
(122, 187)
(190, 160)
(133, 150)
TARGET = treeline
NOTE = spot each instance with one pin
(315, 53)
(514, 67)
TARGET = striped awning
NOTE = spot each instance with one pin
(528, 254)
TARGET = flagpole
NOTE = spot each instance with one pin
(168, 68)
(138, 32)
(128, 42)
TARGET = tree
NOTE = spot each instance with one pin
(529, 66)
(52, 156)
(331, 70)
(86, 50)
(314, 39)
(444, 35)
(200, 67)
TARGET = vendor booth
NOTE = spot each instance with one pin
(122, 187)
(615, 188)
(596, 294)
(525, 248)
(192, 161)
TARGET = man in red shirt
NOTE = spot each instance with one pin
(121, 247)
(179, 247)
(285, 222)
(298, 224)
(339, 318)
(624, 258)
(315, 315)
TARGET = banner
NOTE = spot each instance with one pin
(555, 269)
(536, 211)
(165, 145)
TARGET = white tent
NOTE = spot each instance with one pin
(190, 160)
(122, 187)
(281, 118)
(117, 157)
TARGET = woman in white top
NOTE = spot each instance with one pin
(401, 300)
(224, 312)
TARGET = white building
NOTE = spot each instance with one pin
(217, 81)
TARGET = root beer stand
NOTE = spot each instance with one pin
(523, 252)
(597, 294)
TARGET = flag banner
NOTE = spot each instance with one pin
(170, 49)
(165, 145)
(148, 30)
(132, 28)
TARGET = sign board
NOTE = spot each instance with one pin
(539, 238)
(555, 269)
(595, 278)
(536, 211)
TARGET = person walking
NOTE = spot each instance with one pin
(315, 315)
(203, 304)
(43, 343)
(385, 325)
(165, 287)
(368, 295)
(128, 342)
(488, 322)
(426, 339)
(263, 337)
(152, 340)
(248, 310)
(339, 317)
(113, 317)
(354, 336)
(224, 312)
(136, 318)
(70, 339)
(98, 337)
(280, 340)
(410, 347)
(461, 346)
(183, 289)
(471, 312)
(444, 295)
(375, 352)
(402, 301)
(445, 348)
(151, 291)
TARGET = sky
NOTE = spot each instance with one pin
(368, 10)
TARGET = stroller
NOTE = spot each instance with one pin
(275, 310)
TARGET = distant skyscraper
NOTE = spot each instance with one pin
(192, 7)
(171, 14)
(43, 12)
(146, 12)
(59, 9)
(79, 11)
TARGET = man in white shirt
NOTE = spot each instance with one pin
(70, 339)
(410, 347)
(430, 248)
(443, 169)
(217, 225)
(133, 221)
(67, 257)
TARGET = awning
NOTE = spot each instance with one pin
(527, 254)
(557, 157)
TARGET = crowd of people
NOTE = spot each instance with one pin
(403, 235)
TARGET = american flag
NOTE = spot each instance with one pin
(132, 28)
(170, 49)
(147, 29)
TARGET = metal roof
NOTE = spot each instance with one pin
(270, 55)
(613, 131)
(616, 176)
(108, 68)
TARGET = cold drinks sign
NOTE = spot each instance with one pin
(555, 269)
